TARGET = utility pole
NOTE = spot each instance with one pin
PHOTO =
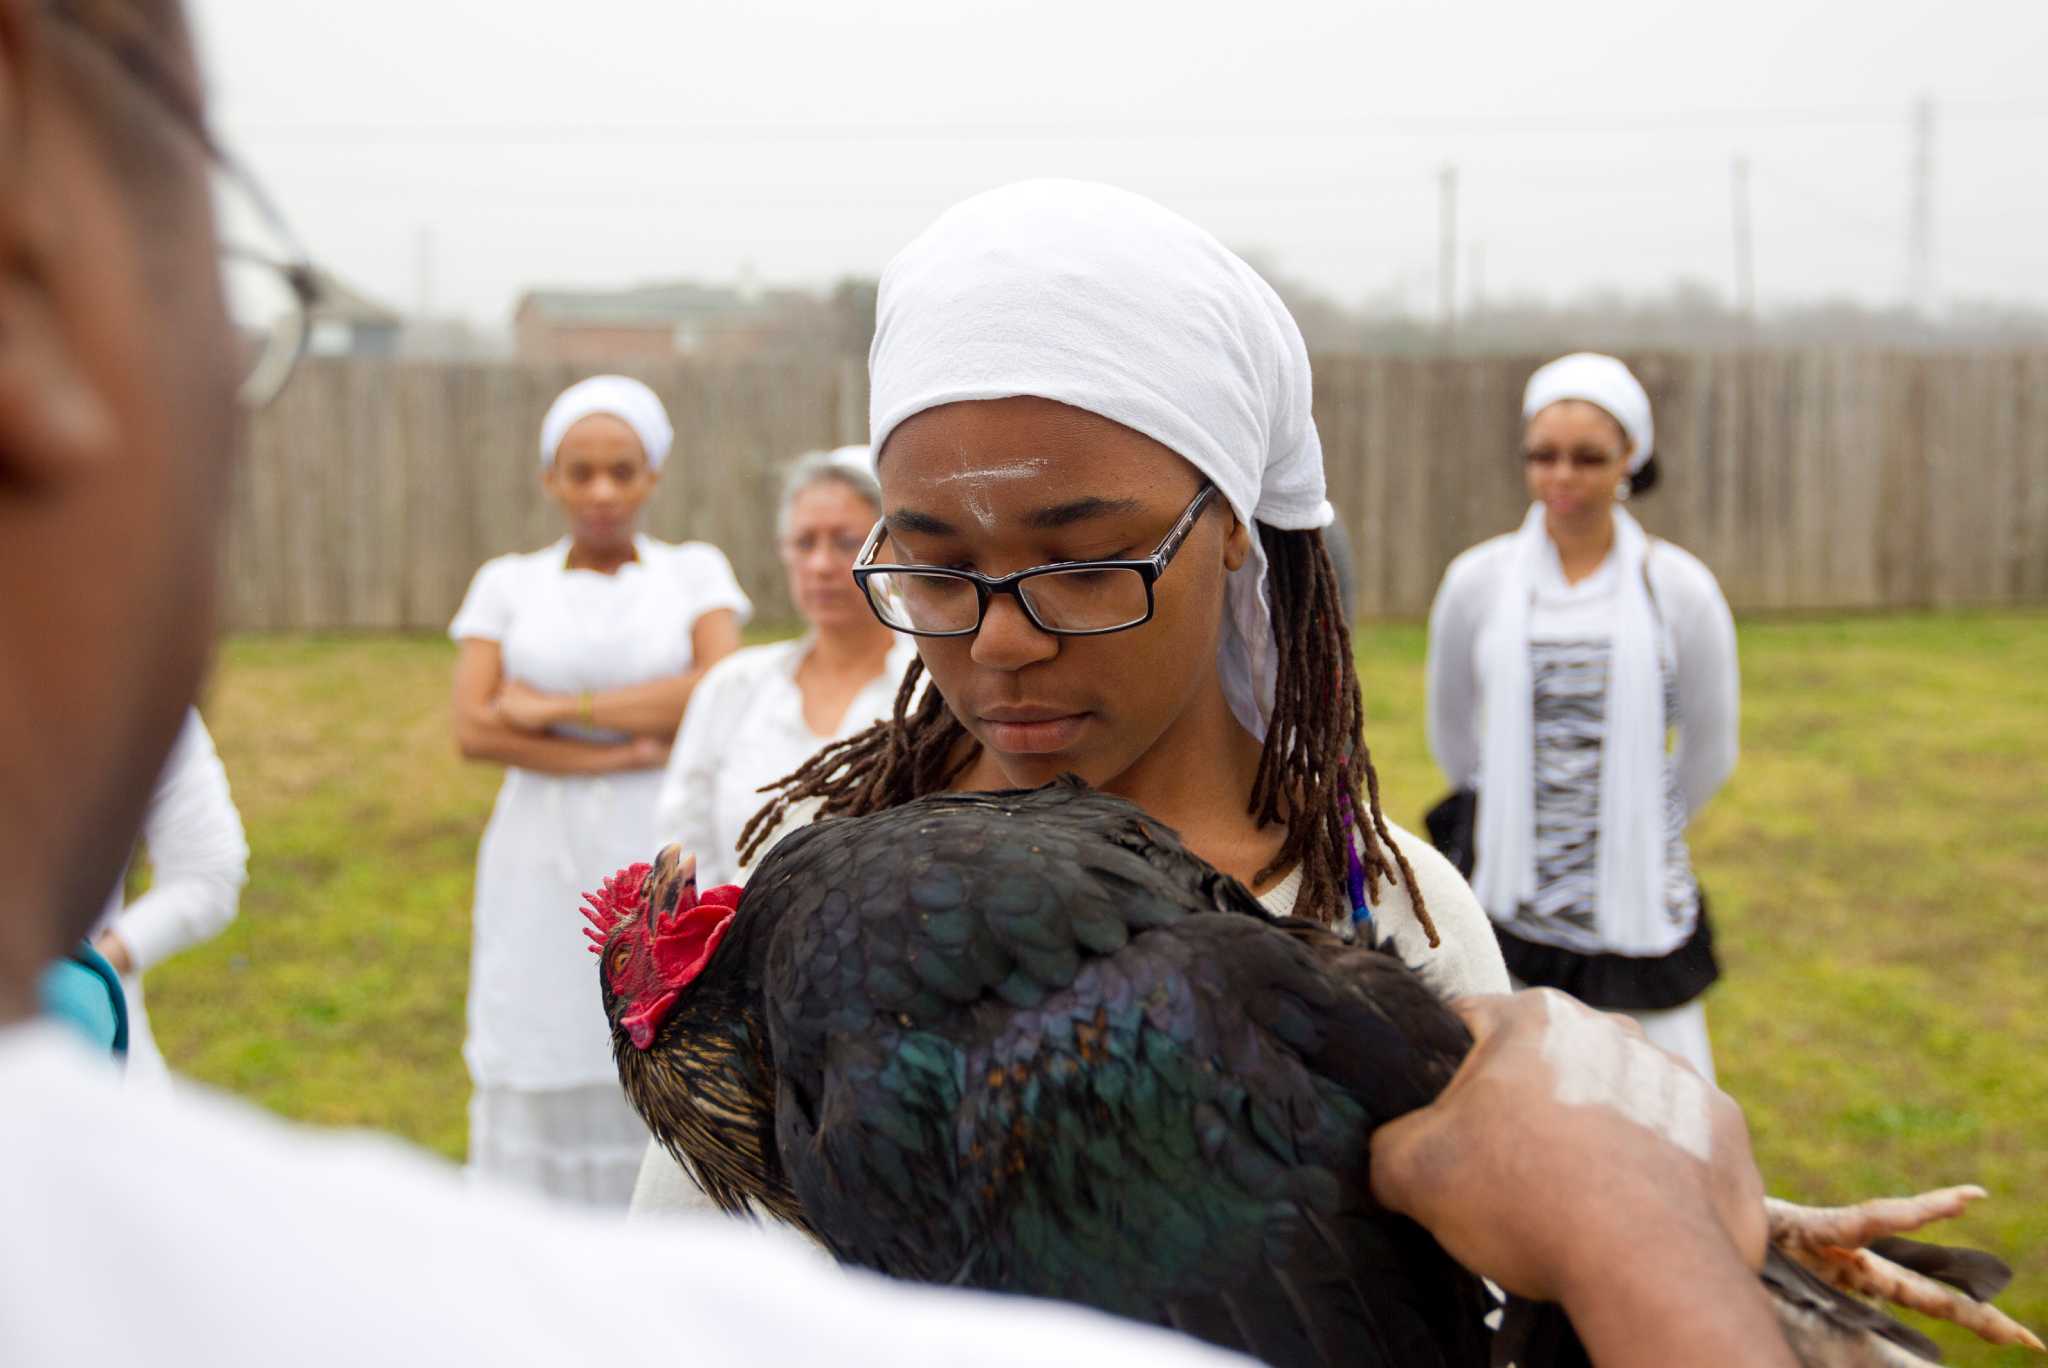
(1920, 212)
(423, 243)
(1745, 260)
(1447, 251)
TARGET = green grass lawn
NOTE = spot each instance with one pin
(1878, 865)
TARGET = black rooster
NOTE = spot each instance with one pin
(1028, 1042)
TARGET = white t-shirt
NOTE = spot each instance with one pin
(535, 1020)
(745, 728)
(177, 1229)
(199, 860)
(1466, 960)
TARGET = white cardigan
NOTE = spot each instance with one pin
(1694, 614)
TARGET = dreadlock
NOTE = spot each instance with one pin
(1310, 771)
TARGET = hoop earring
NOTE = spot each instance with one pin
(1621, 492)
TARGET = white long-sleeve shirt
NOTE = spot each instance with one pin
(178, 1229)
(198, 856)
(1699, 634)
(199, 860)
(745, 728)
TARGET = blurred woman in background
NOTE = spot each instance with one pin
(576, 664)
(1560, 656)
(198, 860)
(763, 711)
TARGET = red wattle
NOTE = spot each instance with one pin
(641, 1025)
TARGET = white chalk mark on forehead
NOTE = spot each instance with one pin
(1594, 1065)
(978, 483)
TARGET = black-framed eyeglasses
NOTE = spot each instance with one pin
(268, 281)
(1070, 598)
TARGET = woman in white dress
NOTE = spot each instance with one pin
(1560, 657)
(576, 664)
(762, 711)
(199, 860)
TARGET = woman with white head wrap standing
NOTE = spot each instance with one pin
(1561, 656)
(577, 662)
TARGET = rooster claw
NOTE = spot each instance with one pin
(1833, 1244)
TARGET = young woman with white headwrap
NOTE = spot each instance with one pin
(1560, 657)
(576, 664)
(1069, 378)
(1073, 388)
(1102, 495)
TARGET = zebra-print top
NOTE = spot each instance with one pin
(1570, 684)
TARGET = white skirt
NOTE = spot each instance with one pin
(1682, 1031)
(579, 1145)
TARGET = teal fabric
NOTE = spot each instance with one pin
(83, 991)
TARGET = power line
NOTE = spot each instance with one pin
(1874, 227)
(1391, 125)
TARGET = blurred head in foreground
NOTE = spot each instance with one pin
(118, 375)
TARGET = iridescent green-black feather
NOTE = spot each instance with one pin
(1026, 1042)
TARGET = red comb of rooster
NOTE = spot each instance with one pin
(618, 899)
(674, 931)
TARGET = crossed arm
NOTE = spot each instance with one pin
(507, 722)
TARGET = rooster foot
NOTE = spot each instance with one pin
(1857, 1249)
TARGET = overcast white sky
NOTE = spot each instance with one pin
(605, 142)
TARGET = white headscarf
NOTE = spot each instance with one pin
(623, 398)
(1601, 381)
(1101, 299)
(1631, 916)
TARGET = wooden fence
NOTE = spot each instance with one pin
(1807, 480)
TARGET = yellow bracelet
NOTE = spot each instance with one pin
(589, 709)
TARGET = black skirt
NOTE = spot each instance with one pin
(1618, 983)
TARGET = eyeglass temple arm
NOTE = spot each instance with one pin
(1180, 530)
(872, 546)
